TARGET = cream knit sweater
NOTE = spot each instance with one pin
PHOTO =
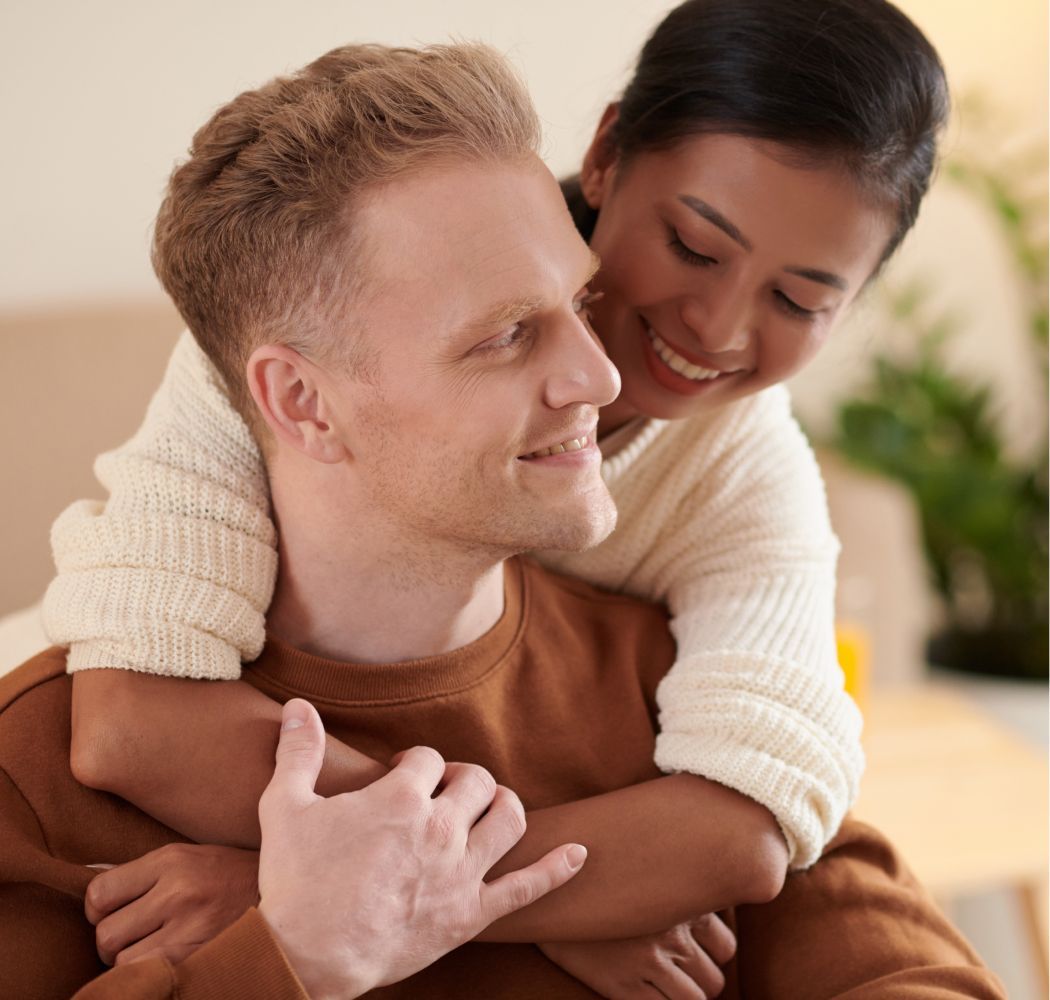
(722, 517)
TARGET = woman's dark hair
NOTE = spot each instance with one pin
(852, 82)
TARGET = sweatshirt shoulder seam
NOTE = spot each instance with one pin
(29, 806)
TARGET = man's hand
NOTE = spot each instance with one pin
(366, 888)
(171, 901)
(680, 964)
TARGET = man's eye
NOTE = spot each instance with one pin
(582, 305)
(510, 338)
(682, 252)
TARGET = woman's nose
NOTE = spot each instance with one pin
(722, 322)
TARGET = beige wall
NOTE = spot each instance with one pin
(100, 98)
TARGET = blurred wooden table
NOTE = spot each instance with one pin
(962, 797)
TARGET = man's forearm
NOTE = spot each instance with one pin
(658, 854)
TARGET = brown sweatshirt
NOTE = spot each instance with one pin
(557, 700)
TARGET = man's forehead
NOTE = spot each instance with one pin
(475, 243)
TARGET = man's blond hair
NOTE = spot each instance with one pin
(256, 240)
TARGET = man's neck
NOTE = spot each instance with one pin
(368, 595)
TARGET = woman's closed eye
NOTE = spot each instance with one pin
(686, 253)
(792, 308)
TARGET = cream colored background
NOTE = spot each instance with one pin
(98, 99)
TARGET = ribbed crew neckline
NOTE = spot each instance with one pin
(629, 442)
(319, 679)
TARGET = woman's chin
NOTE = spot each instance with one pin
(650, 399)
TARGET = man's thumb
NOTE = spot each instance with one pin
(300, 751)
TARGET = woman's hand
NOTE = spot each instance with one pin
(171, 901)
(680, 964)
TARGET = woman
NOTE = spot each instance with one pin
(763, 163)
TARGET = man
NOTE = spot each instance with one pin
(409, 460)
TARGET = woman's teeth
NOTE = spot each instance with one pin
(573, 444)
(677, 363)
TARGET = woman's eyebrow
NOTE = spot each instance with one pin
(824, 277)
(716, 218)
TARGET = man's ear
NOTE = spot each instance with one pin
(287, 390)
(599, 162)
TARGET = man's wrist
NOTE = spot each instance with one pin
(302, 953)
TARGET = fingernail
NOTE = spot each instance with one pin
(576, 855)
(294, 715)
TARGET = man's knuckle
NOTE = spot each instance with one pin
(295, 746)
(510, 810)
(424, 752)
(521, 892)
(406, 800)
(482, 778)
(270, 803)
(439, 827)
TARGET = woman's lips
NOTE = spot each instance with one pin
(676, 373)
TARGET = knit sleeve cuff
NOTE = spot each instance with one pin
(771, 730)
(243, 963)
(159, 593)
(168, 651)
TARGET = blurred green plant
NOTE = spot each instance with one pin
(983, 510)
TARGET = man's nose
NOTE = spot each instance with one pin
(581, 372)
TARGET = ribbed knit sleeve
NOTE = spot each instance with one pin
(725, 519)
(174, 573)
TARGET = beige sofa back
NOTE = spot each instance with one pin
(76, 381)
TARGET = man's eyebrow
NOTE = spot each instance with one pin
(506, 311)
(511, 310)
(716, 218)
(824, 277)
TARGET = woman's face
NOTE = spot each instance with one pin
(723, 268)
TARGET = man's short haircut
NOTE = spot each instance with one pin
(256, 241)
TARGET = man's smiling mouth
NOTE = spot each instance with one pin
(577, 443)
(573, 444)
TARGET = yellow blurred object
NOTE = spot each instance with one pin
(854, 652)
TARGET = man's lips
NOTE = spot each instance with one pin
(576, 440)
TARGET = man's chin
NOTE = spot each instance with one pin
(581, 530)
